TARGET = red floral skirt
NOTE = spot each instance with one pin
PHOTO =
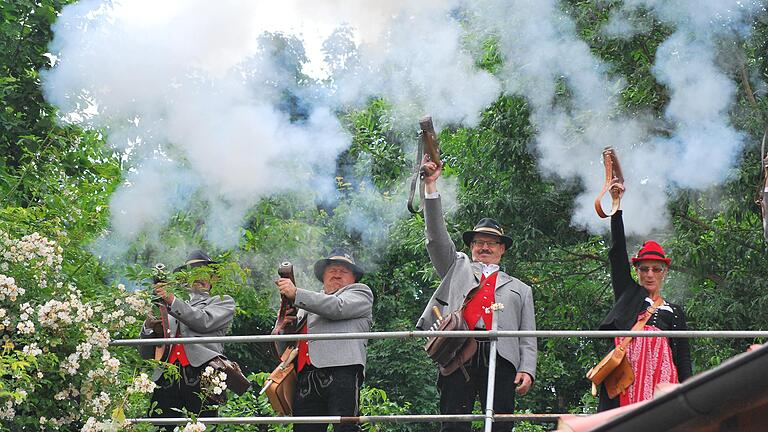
(651, 360)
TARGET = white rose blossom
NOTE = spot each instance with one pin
(7, 413)
(84, 349)
(32, 350)
(137, 301)
(90, 426)
(112, 366)
(25, 327)
(194, 427)
(19, 396)
(8, 288)
(213, 382)
(71, 364)
(142, 384)
(101, 403)
(99, 338)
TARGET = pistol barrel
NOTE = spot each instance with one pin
(285, 270)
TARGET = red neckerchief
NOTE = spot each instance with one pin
(177, 351)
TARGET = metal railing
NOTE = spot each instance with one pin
(489, 415)
(689, 334)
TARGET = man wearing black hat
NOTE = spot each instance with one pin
(330, 372)
(473, 285)
(202, 315)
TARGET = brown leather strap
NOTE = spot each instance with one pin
(641, 322)
(280, 324)
(281, 328)
(416, 176)
(429, 145)
(612, 174)
(160, 350)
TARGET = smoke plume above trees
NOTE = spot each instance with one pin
(230, 102)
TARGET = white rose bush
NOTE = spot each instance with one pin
(57, 369)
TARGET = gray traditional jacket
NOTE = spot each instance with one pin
(460, 275)
(348, 310)
(202, 315)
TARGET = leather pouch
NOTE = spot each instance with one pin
(236, 381)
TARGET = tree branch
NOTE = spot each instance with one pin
(719, 280)
(704, 225)
(745, 83)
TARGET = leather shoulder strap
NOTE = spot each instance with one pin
(418, 174)
(162, 352)
(641, 322)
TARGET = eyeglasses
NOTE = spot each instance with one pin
(646, 269)
(482, 243)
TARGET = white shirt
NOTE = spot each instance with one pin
(489, 269)
(665, 306)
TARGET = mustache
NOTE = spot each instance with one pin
(484, 251)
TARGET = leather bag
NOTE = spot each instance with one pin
(280, 386)
(619, 379)
(614, 369)
(236, 381)
(448, 352)
(463, 355)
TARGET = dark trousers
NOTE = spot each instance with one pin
(172, 396)
(331, 391)
(457, 395)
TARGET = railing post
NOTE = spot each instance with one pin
(489, 394)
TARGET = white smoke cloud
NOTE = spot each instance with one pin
(196, 93)
(544, 55)
(421, 66)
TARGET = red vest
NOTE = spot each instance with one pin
(178, 353)
(303, 357)
(480, 305)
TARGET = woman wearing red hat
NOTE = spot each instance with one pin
(653, 360)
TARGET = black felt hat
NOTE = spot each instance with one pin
(338, 256)
(487, 226)
(196, 258)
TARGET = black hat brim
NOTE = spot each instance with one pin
(469, 235)
(321, 264)
(185, 267)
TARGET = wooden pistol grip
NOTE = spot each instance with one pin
(429, 138)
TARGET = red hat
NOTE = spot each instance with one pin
(651, 251)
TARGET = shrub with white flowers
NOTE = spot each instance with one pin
(56, 359)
